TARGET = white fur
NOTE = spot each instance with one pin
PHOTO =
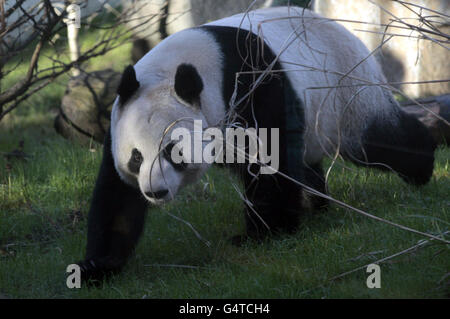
(143, 120)
(141, 125)
(306, 44)
(192, 46)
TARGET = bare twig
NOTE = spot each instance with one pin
(45, 24)
(421, 244)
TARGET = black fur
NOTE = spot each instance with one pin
(405, 145)
(117, 210)
(277, 202)
(135, 161)
(315, 178)
(188, 83)
(115, 222)
(128, 84)
(167, 153)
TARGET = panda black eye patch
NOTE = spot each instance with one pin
(136, 159)
(167, 153)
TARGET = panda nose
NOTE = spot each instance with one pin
(157, 194)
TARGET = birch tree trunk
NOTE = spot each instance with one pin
(73, 25)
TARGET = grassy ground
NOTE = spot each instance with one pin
(44, 201)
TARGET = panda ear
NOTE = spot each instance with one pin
(188, 83)
(128, 84)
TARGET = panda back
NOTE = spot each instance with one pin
(316, 52)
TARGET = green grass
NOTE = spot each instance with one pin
(44, 201)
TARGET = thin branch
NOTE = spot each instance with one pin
(420, 245)
(35, 79)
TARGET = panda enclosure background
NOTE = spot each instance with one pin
(46, 182)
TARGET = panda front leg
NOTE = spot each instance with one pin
(315, 178)
(115, 222)
(273, 205)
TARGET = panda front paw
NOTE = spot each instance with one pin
(95, 271)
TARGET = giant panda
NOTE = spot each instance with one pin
(283, 67)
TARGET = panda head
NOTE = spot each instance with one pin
(143, 118)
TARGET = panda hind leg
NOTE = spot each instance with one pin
(405, 145)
